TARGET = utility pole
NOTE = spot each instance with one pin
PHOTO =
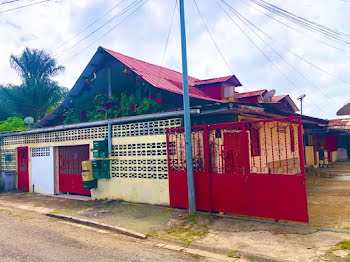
(187, 117)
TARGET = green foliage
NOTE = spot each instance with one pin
(345, 245)
(105, 107)
(37, 92)
(12, 124)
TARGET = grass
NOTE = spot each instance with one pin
(55, 212)
(345, 245)
(188, 241)
(233, 254)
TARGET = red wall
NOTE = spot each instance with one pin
(213, 91)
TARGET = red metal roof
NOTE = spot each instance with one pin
(165, 78)
(276, 99)
(340, 123)
(231, 79)
(251, 94)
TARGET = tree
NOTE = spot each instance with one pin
(38, 92)
(12, 124)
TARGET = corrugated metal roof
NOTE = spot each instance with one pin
(251, 94)
(160, 77)
(339, 123)
(278, 98)
(231, 79)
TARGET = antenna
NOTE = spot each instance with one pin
(345, 110)
(268, 96)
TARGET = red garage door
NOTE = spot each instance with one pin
(70, 171)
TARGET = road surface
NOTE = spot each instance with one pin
(26, 236)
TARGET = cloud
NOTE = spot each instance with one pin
(143, 35)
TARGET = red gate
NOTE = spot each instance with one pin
(22, 169)
(70, 171)
(253, 168)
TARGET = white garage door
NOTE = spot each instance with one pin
(42, 160)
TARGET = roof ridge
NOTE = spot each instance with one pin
(142, 61)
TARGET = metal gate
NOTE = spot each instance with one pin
(70, 171)
(22, 169)
(253, 168)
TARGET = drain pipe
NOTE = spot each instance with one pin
(109, 138)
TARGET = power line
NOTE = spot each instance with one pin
(293, 28)
(300, 57)
(168, 36)
(9, 2)
(257, 47)
(87, 27)
(213, 40)
(268, 58)
(88, 46)
(135, 2)
(23, 6)
(308, 24)
(246, 21)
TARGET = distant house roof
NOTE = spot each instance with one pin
(251, 94)
(339, 123)
(276, 99)
(225, 80)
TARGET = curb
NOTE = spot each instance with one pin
(217, 250)
(98, 225)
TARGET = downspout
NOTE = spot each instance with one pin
(109, 138)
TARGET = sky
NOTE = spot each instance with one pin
(57, 27)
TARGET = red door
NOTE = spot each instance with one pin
(70, 171)
(22, 169)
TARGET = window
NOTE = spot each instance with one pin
(229, 92)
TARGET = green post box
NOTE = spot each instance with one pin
(96, 168)
(100, 149)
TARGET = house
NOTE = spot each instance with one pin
(125, 115)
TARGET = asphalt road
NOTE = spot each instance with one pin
(26, 236)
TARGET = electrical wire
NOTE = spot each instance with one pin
(263, 53)
(213, 40)
(9, 2)
(293, 28)
(246, 21)
(305, 60)
(308, 24)
(92, 43)
(87, 27)
(23, 6)
(169, 32)
(135, 2)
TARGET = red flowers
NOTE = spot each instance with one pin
(101, 111)
(159, 100)
(132, 107)
(109, 105)
(63, 116)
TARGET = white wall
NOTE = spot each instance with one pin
(42, 167)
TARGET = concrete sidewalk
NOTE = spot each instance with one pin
(261, 241)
